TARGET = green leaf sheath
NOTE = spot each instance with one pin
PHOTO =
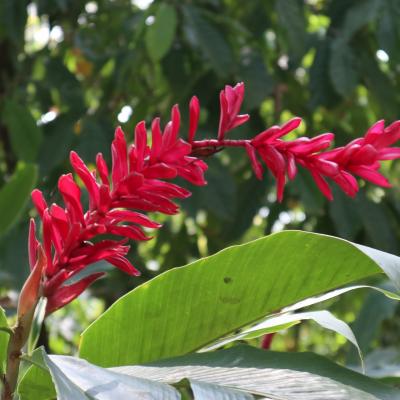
(4, 336)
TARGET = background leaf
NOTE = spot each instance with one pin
(202, 33)
(160, 34)
(15, 194)
(25, 135)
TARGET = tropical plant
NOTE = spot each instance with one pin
(254, 288)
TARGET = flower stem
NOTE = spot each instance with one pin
(13, 361)
(219, 143)
(18, 336)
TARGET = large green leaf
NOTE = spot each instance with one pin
(185, 309)
(283, 376)
(15, 194)
(160, 35)
(25, 135)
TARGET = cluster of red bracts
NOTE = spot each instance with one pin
(361, 157)
(139, 182)
(72, 237)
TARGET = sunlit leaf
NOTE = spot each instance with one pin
(210, 298)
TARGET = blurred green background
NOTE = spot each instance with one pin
(72, 70)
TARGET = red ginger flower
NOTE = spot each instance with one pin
(360, 157)
(137, 184)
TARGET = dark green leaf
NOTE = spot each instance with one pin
(218, 197)
(25, 135)
(291, 17)
(207, 37)
(259, 84)
(362, 12)
(160, 35)
(321, 89)
(345, 216)
(342, 68)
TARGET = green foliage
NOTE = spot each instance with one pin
(319, 60)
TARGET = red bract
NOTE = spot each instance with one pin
(139, 182)
(72, 237)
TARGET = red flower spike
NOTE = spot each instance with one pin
(137, 177)
(72, 238)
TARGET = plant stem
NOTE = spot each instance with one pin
(13, 360)
(18, 338)
(219, 143)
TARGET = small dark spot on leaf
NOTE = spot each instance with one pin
(227, 279)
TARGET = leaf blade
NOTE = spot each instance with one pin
(187, 308)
